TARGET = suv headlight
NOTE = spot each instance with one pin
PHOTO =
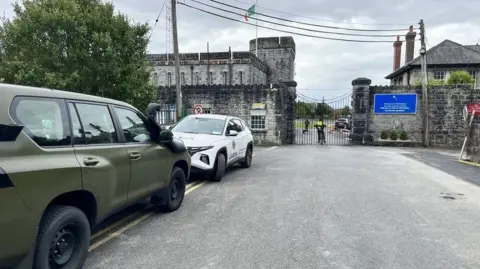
(193, 150)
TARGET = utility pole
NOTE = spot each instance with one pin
(177, 60)
(423, 51)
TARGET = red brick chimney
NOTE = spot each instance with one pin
(410, 44)
(397, 53)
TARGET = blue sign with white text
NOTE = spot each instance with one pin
(403, 103)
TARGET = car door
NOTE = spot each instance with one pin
(150, 162)
(104, 161)
(232, 145)
(240, 138)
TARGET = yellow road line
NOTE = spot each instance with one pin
(193, 186)
(119, 232)
(119, 223)
(132, 216)
(470, 163)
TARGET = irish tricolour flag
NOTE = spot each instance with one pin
(250, 12)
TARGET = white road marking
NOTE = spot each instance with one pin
(272, 147)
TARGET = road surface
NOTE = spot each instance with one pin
(312, 207)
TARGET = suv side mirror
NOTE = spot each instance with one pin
(165, 136)
(232, 133)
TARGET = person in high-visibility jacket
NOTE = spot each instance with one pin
(320, 131)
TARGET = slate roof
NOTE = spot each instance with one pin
(445, 53)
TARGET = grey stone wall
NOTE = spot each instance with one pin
(238, 100)
(445, 114)
(195, 68)
(412, 124)
(251, 74)
(446, 127)
(279, 54)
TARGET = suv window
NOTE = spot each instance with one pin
(238, 125)
(77, 128)
(45, 120)
(134, 127)
(97, 124)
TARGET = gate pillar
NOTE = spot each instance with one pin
(361, 110)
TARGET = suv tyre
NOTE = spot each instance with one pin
(63, 239)
(176, 191)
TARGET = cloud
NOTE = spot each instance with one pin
(324, 68)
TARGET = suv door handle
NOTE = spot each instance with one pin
(90, 161)
(135, 155)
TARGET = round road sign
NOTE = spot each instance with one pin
(198, 109)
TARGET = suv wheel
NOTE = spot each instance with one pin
(63, 238)
(220, 166)
(176, 191)
(247, 162)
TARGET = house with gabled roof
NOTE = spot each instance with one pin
(442, 59)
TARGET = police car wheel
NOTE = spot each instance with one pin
(220, 165)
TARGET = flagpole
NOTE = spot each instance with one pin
(256, 32)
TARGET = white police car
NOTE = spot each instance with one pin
(215, 142)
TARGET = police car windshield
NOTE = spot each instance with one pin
(198, 125)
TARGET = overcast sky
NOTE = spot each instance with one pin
(324, 68)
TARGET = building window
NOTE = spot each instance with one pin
(169, 79)
(257, 123)
(155, 79)
(210, 78)
(225, 78)
(439, 75)
(257, 119)
(473, 74)
(197, 78)
(207, 111)
(240, 76)
(182, 76)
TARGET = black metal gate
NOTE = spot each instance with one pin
(332, 115)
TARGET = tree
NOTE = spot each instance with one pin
(77, 45)
(459, 77)
(323, 110)
(345, 111)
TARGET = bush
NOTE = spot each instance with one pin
(384, 135)
(460, 77)
(393, 135)
(403, 136)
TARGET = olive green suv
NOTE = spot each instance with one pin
(67, 162)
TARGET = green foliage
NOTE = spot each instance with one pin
(313, 110)
(77, 45)
(393, 135)
(384, 135)
(431, 82)
(459, 77)
(403, 136)
(345, 111)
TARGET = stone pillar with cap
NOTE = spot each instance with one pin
(361, 110)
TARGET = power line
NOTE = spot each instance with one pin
(316, 25)
(156, 21)
(317, 19)
(291, 26)
(284, 31)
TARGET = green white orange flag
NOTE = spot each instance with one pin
(250, 12)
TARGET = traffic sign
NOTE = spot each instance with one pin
(198, 109)
(468, 110)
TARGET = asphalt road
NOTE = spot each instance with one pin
(312, 207)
